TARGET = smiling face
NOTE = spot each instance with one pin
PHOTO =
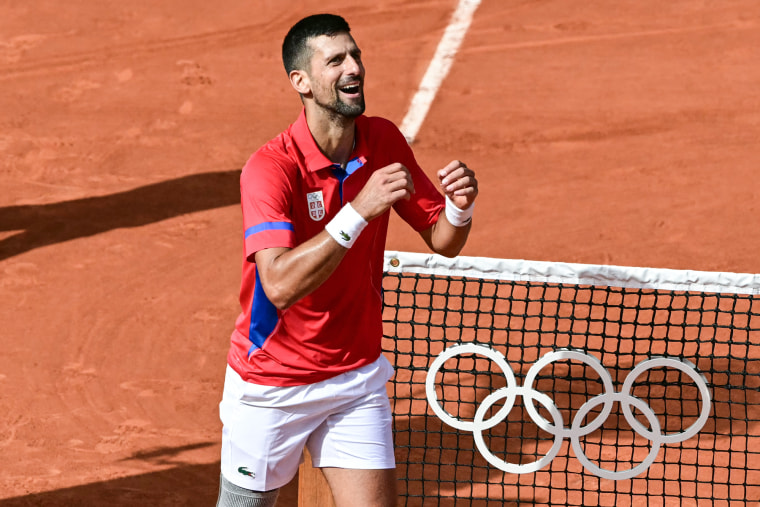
(335, 79)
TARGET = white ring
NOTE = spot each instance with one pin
(577, 355)
(469, 348)
(609, 474)
(499, 463)
(688, 369)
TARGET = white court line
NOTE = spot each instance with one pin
(439, 68)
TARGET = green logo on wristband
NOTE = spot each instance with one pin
(345, 236)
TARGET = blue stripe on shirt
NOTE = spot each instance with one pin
(268, 226)
(354, 164)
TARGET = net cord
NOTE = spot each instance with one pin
(572, 273)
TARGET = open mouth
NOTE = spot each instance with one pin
(352, 89)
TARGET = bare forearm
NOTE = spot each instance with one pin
(445, 239)
(288, 275)
(449, 234)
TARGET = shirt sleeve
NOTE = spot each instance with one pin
(265, 196)
(421, 211)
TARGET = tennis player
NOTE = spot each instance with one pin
(305, 367)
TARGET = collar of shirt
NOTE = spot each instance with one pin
(314, 159)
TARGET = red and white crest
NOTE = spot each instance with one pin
(316, 205)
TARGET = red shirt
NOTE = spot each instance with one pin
(289, 192)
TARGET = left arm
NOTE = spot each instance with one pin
(458, 183)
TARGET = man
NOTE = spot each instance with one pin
(305, 366)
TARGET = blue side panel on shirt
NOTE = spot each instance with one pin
(342, 174)
(268, 226)
(263, 317)
(339, 173)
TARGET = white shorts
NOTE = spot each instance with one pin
(344, 421)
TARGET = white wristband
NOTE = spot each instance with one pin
(346, 226)
(458, 217)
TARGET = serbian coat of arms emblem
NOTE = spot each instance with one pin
(316, 205)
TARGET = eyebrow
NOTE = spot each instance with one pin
(330, 56)
(355, 51)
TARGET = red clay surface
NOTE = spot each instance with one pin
(602, 132)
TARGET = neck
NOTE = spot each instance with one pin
(333, 133)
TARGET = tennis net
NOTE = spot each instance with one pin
(535, 383)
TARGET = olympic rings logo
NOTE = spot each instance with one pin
(557, 428)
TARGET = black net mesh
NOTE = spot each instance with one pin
(716, 335)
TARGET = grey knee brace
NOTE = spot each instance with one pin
(231, 495)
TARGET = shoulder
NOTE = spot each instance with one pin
(378, 128)
(378, 124)
(272, 164)
(276, 155)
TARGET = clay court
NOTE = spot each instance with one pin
(623, 133)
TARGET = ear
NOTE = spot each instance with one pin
(299, 79)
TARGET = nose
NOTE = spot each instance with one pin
(353, 66)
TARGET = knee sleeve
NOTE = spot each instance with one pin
(231, 495)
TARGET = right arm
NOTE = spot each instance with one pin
(289, 274)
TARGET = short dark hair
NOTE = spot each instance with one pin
(295, 48)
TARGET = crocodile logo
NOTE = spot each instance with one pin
(345, 236)
(246, 472)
